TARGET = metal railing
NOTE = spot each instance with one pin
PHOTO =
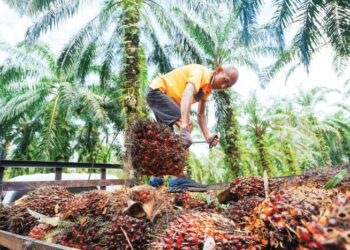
(59, 166)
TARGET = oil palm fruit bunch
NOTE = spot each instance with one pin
(123, 232)
(190, 230)
(188, 201)
(238, 211)
(156, 150)
(242, 187)
(330, 230)
(20, 221)
(4, 217)
(117, 201)
(276, 219)
(143, 193)
(40, 231)
(182, 199)
(46, 200)
(16, 219)
(91, 203)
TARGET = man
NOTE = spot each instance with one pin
(171, 96)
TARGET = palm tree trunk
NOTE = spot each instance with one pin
(323, 148)
(230, 131)
(131, 71)
(263, 157)
(321, 142)
(290, 160)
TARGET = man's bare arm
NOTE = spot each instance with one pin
(186, 103)
(202, 120)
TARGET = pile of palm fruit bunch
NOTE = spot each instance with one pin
(296, 214)
(243, 208)
(277, 218)
(242, 196)
(330, 230)
(93, 203)
(123, 219)
(156, 150)
(319, 177)
(190, 231)
(123, 232)
(45, 200)
(118, 220)
(241, 187)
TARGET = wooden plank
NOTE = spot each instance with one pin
(28, 185)
(52, 164)
(18, 242)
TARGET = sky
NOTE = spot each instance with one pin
(13, 28)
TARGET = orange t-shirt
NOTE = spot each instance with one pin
(174, 83)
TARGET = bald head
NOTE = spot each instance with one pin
(225, 77)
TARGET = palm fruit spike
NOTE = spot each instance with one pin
(330, 230)
(189, 231)
(155, 150)
(277, 218)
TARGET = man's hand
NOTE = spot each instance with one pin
(213, 140)
(185, 137)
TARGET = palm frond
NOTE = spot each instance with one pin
(52, 18)
(86, 61)
(109, 58)
(19, 104)
(199, 30)
(290, 71)
(92, 105)
(308, 35)
(337, 26)
(283, 58)
(248, 11)
(160, 56)
(283, 16)
(72, 52)
(185, 45)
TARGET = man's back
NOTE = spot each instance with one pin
(174, 83)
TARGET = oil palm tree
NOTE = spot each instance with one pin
(319, 24)
(42, 106)
(307, 101)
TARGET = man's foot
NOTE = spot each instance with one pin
(183, 184)
(156, 182)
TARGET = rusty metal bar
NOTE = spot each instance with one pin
(58, 174)
(28, 185)
(52, 164)
(103, 177)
